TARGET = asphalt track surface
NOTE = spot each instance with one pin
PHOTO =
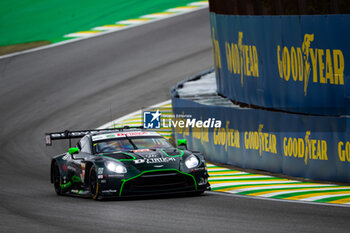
(87, 83)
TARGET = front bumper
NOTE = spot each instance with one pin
(156, 182)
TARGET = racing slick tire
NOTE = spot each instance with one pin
(94, 186)
(57, 179)
(198, 193)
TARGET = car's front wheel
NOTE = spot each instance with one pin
(198, 193)
(94, 187)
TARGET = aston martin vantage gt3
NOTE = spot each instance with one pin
(125, 162)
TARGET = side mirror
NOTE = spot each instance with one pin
(182, 143)
(73, 150)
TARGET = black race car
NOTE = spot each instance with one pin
(125, 162)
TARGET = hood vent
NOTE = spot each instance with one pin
(172, 152)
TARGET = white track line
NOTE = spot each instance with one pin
(108, 28)
(180, 9)
(250, 183)
(204, 3)
(155, 16)
(226, 174)
(81, 34)
(132, 21)
(322, 197)
(273, 187)
(300, 191)
(235, 177)
(218, 169)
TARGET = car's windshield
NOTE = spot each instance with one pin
(150, 142)
(122, 144)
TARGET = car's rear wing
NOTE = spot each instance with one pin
(67, 134)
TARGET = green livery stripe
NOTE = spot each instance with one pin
(133, 157)
(67, 185)
(76, 179)
(179, 155)
(124, 181)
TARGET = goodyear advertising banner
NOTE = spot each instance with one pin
(294, 63)
(296, 145)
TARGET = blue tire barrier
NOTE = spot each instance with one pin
(295, 63)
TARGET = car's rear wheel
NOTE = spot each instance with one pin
(57, 179)
(94, 187)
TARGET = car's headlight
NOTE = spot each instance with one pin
(191, 161)
(115, 167)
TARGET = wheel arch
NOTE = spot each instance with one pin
(88, 166)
